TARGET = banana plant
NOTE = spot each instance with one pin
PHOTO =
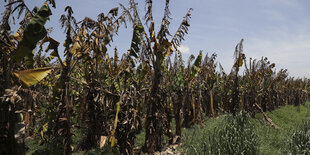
(59, 128)
(106, 81)
(239, 58)
(157, 47)
(191, 84)
(15, 49)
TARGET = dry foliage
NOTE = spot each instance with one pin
(113, 98)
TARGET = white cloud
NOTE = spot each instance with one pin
(288, 50)
(184, 49)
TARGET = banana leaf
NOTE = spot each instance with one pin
(136, 41)
(196, 66)
(32, 76)
(34, 32)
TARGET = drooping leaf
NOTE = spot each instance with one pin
(114, 11)
(179, 78)
(182, 30)
(32, 76)
(53, 44)
(239, 55)
(117, 86)
(47, 60)
(152, 32)
(113, 139)
(76, 46)
(136, 41)
(44, 130)
(103, 140)
(116, 58)
(17, 35)
(54, 53)
(240, 60)
(33, 33)
(169, 51)
(196, 66)
(53, 3)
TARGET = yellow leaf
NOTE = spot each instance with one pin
(153, 39)
(102, 141)
(32, 76)
(84, 32)
(240, 62)
(75, 47)
(17, 36)
(169, 51)
(57, 76)
(113, 139)
(42, 134)
(44, 129)
(97, 42)
(81, 35)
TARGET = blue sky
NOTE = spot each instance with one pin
(277, 29)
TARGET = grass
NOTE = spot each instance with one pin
(288, 119)
(299, 143)
(271, 141)
(227, 135)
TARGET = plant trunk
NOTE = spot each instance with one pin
(211, 103)
(177, 114)
(7, 120)
(7, 111)
(155, 113)
(62, 128)
(235, 94)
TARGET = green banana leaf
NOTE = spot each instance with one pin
(34, 32)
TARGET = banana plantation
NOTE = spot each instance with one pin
(112, 97)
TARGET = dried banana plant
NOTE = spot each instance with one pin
(157, 48)
(16, 53)
(107, 80)
(239, 57)
(59, 125)
(111, 98)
